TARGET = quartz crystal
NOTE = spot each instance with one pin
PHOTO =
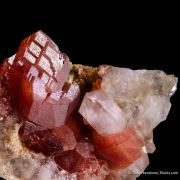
(71, 122)
(123, 109)
(108, 109)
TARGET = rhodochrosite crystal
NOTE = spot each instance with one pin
(35, 79)
(71, 122)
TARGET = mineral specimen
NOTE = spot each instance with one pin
(35, 78)
(73, 122)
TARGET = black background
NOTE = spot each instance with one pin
(126, 36)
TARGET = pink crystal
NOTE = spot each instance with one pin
(102, 113)
(86, 167)
(132, 171)
(56, 107)
(47, 141)
(120, 149)
(85, 148)
(35, 78)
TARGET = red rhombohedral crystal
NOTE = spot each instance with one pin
(35, 78)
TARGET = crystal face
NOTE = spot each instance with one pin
(120, 149)
(107, 110)
(142, 97)
(75, 122)
(123, 109)
(35, 78)
(47, 141)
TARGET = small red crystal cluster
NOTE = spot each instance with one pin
(36, 78)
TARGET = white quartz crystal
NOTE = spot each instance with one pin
(143, 98)
(102, 113)
(143, 95)
(139, 99)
